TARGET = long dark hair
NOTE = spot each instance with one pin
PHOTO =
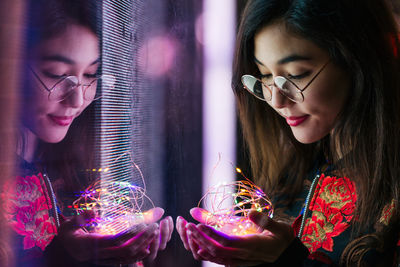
(66, 159)
(362, 39)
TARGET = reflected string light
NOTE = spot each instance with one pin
(227, 206)
(117, 206)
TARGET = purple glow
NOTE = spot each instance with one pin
(157, 54)
(218, 101)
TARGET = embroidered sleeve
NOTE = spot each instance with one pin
(27, 209)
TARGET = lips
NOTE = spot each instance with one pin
(295, 121)
(61, 120)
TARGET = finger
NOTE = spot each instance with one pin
(204, 241)
(194, 247)
(104, 241)
(149, 232)
(216, 249)
(260, 219)
(154, 246)
(202, 216)
(171, 227)
(153, 215)
(120, 238)
(181, 228)
(223, 239)
(164, 233)
(227, 261)
(266, 223)
(224, 255)
(206, 255)
(133, 247)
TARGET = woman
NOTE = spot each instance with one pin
(321, 120)
(60, 87)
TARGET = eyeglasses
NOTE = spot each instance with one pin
(286, 87)
(63, 88)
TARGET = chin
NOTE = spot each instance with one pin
(53, 138)
(306, 138)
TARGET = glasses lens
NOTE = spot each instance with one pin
(289, 89)
(62, 89)
(256, 87)
(90, 90)
(93, 91)
(108, 81)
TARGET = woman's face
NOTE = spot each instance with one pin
(280, 53)
(72, 53)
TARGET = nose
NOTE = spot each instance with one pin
(75, 98)
(278, 100)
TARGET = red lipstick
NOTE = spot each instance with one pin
(295, 121)
(61, 120)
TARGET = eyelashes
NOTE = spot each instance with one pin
(268, 77)
(51, 75)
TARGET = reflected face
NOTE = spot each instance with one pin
(280, 53)
(72, 53)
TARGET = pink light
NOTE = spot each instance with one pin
(157, 54)
(219, 122)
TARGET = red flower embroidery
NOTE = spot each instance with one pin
(332, 209)
(27, 209)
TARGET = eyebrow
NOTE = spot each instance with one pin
(63, 59)
(287, 59)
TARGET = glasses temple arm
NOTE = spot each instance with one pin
(37, 77)
(316, 75)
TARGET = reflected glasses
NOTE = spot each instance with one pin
(63, 88)
(263, 91)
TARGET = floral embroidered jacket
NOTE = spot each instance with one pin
(321, 218)
(29, 207)
(34, 217)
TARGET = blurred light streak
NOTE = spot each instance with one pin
(157, 55)
(219, 118)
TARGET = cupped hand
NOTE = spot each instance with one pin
(166, 227)
(137, 243)
(225, 224)
(208, 244)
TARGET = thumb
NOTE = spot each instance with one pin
(266, 223)
(153, 215)
(202, 216)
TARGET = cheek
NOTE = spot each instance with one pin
(329, 98)
(35, 105)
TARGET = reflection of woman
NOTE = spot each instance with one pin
(61, 84)
(321, 119)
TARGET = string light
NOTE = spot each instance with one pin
(227, 206)
(117, 206)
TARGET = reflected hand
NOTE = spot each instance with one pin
(166, 227)
(208, 244)
(126, 247)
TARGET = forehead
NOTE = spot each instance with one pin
(77, 43)
(274, 42)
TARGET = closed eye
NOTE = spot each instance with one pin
(53, 76)
(298, 77)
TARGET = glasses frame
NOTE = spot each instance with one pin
(268, 87)
(50, 90)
